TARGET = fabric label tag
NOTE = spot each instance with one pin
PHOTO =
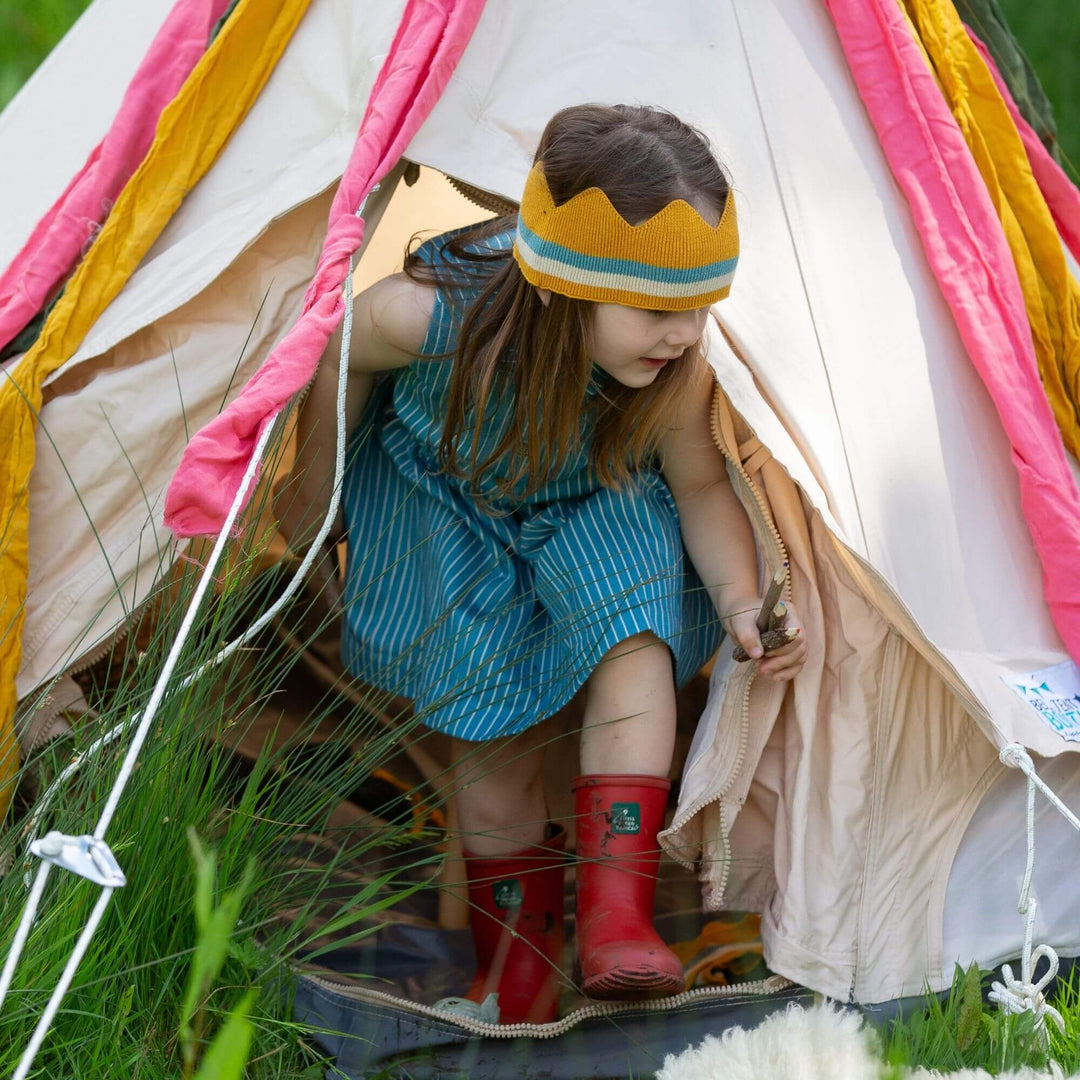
(1054, 693)
(625, 818)
(507, 893)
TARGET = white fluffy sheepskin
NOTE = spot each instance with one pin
(820, 1043)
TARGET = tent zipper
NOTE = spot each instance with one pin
(929, 651)
(776, 557)
(767, 526)
(90, 658)
(759, 988)
(719, 890)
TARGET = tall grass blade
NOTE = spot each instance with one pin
(228, 1053)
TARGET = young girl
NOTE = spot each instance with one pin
(537, 467)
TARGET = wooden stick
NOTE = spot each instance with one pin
(772, 598)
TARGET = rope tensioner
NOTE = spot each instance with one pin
(86, 856)
(1022, 995)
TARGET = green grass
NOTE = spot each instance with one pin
(963, 1032)
(1049, 32)
(195, 945)
(28, 31)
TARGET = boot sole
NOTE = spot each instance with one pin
(632, 982)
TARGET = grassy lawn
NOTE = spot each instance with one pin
(28, 31)
(964, 1032)
(1049, 32)
(188, 975)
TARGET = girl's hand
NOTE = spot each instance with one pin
(781, 664)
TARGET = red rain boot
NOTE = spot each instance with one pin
(620, 952)
(516, 918)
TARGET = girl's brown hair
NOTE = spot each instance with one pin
(514, 350)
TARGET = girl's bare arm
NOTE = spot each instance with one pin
(716, 531)
(390, 321)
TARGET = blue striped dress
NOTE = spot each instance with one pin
(491, 623)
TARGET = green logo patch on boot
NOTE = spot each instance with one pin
(625, 818)
(507, 893)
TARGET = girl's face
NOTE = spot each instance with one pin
(633, 345)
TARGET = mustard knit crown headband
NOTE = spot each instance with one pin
(586, 249)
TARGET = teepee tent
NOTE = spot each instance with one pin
(931, 535)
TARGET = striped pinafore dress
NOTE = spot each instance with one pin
(491, 622)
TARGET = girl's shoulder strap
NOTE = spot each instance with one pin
(460, 272)
(442, 252)
(434, 250)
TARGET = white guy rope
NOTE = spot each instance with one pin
(146, 719)
(34, 900)
(1015, 755)
(141, 732)
(1022, 995)
(27, 1060)
(22, 932)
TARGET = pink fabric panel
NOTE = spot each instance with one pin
(970, 257)
(1061, 194)
(432, 36)
(57, 242)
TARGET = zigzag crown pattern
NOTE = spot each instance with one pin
(586, 249)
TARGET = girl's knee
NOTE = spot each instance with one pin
(638, 664)
(636, 643)
(516, 762)
(497, 791)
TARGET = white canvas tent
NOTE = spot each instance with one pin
(882, 846)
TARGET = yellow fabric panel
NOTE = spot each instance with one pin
(1051, 294)
(191, 131)
(906, 9)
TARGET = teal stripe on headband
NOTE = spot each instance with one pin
(649, 287)
(704, 277)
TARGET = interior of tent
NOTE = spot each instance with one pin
(893, 402)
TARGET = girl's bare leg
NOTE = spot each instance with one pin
(629, 722)
(499, 792)
(629, 727)
(627, 741)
